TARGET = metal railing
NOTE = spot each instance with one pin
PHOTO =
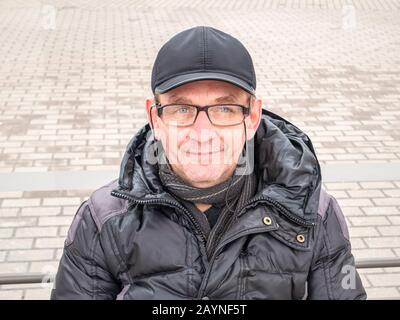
(26, 278)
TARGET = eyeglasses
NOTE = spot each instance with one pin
(183, 115)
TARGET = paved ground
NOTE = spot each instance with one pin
(74, 76)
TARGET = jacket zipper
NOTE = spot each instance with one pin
(301, 221)
(217, 234)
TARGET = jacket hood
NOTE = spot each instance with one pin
(284, 159)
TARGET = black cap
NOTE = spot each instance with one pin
(202, 53)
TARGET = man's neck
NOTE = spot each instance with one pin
(202, 206)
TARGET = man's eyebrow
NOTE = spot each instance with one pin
(178, 99)
(228, 98)
(181, 99)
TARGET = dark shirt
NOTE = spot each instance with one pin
(206, 219)
(212, 215)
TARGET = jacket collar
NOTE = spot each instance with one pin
(287, 167)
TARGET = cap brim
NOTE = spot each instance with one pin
(186, 78)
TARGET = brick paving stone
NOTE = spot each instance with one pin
(352, 211)
(49, 242)
(363, 231)
(60, 201)
(387, 201)
(342, 186)
(18, 222)
(62, 232)
(40, 211)
(11, 294)
(392, 193)
(380, 293)
(383, 242)
(367, 271)
(43, 266)
(384, 280)
(389, 231)
(377, 185)
(373, 252)
(55, 221)
(35, 232)
(339, 194)
(394, 220)
(365, 193)
(37, 294)
(20, 203)
(13, 267)
(359, 202)
(6, 232)
(358, 243)
(30, 255)
(369, 221)
(384, 211)
(9, 212)
(13, 243)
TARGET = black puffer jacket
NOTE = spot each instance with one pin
(289, 242)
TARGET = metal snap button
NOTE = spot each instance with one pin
(267, 221)
(300, 238)
(205, 298)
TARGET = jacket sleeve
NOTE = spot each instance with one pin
(333, 275)
(82, 272)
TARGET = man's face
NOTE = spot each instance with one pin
(204, 154)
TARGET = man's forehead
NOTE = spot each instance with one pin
(229, 97)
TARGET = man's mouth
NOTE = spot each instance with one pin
(200, 153)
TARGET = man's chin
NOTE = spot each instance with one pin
(203, 174)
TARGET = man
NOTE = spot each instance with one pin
(216, 199)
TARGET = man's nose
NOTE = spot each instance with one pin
(202, 128)
(202, 121)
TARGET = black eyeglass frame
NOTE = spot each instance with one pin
(245, 110)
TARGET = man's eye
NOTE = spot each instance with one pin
(178, 109)
(183, 110)
(225, 109)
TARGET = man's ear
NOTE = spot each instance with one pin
(254, 118)
(149, 103)
(152, 118)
